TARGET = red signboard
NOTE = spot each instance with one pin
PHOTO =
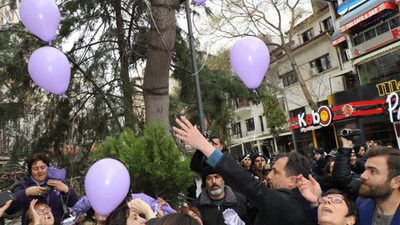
(369, 14)
(339, 40)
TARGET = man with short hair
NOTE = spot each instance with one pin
(216, 197)
(278, 206)
(378, 189)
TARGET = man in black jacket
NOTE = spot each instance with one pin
(216, 198)
(283, 205)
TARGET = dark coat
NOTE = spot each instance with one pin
(212, 214)
(342, 177)
(366, 208)
(51, 199)
(280, 207)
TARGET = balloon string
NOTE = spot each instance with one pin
(50, 44)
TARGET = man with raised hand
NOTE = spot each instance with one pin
(281, 205)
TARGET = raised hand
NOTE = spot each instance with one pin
(36, 218)
(138, 206)
(4, 207)
(192, 136)
(310, 189)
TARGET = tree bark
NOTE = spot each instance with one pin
(161, 45)
(126, 85)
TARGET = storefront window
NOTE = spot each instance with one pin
(384, 27)
(370, 34)
(394, 22)
(379, 68)
(381, 130)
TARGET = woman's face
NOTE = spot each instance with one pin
(353, 158)
(194, 215)
(39, 171)
(333, 212)
(134, 219)
(45, 215)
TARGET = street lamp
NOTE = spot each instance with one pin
(290, 119)
(195, 72)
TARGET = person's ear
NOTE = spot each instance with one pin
(292, 181)
(395, 182)
(350, 220)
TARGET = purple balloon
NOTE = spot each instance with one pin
(106, 185)
(49, 68)
(41, 17)
(250, 61)
(199, 1)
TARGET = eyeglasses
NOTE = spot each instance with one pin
(43, 211)
(335, 199)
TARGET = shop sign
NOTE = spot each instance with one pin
(339, 40)
(393, 105)
(323, 117)
(387, 87)
(369, 14)
(347, 110)
(349, 5)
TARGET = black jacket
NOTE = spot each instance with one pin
(212, 214)
(342, 177)
(280, 207)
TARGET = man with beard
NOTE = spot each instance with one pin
(378, 188)
(379, 194)
(280, 205)
(216, 197)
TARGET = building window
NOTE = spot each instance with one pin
(289, 78)
(294, 113)
(343, 47)
(370, 34)
(261, 123)
(383, 28)
(328, 25)
(307, 35)
(321, 64)
(394, 22)
(382, 67)
(237, 129)
(359, 39)
(250, 124)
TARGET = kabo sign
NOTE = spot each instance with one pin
(322, 117)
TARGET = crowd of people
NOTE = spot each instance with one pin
(354, 184)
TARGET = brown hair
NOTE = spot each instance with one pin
(186, 209)
(392, 158)
(37, 157)
(177, 218)
(29, 216)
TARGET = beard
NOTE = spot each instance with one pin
(216, 192)
(375, 191)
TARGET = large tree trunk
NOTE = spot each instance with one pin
(161, 45)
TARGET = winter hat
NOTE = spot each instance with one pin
(320, 151)
(244, 157)
(207, 171)
(258, 154)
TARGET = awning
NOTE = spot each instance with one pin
(365, 11)
(338, 37)
(378, 53)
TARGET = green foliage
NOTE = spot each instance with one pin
(275, 117)
(154, 162)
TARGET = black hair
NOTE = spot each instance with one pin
(297, 164)
(351, 207)
(118, 216)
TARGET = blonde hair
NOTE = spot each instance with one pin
(29, 216)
